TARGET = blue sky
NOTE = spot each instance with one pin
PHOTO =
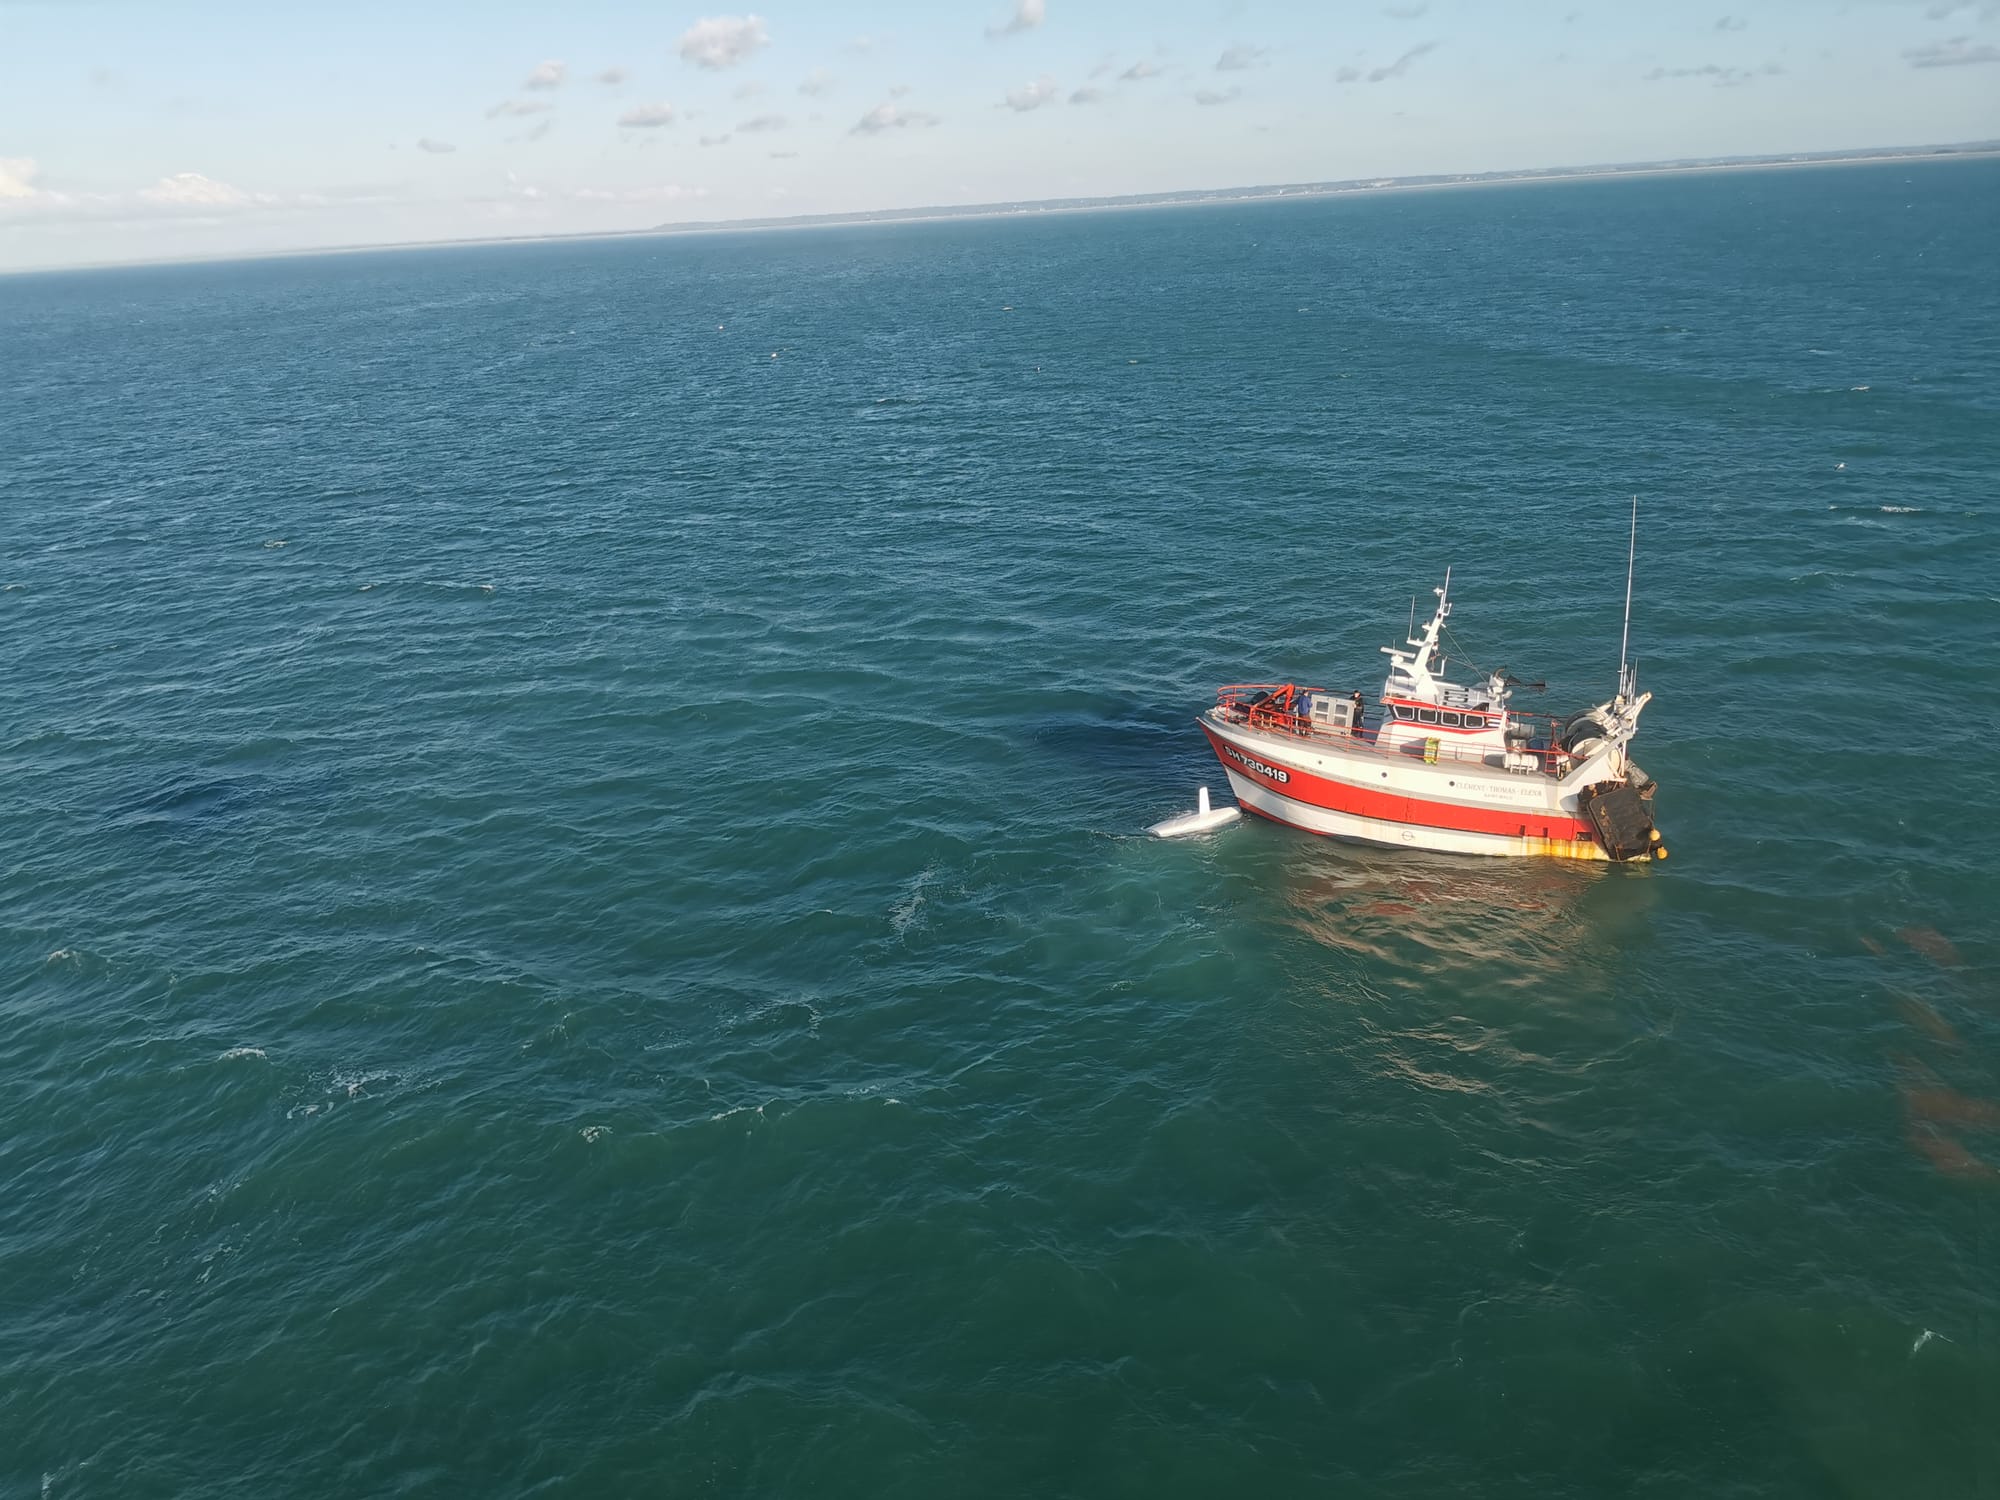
(136, 129)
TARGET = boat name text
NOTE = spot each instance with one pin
(1250, 764)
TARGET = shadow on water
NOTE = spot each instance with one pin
(186, 805)
(193, 805)
(1129, 745)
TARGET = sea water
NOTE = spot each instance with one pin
(575, 915)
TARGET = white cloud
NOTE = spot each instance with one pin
(192, 190)
(723, 41)
(647, 117)
(665, 192)
(889, 117)
(515, 107)
(534, 132)
(715, 140)
(519, 189)
(1033, 95)
(436, 148)
(1086, 96)
(1217, 96)
(1028, 14)
(1141, 70)
(184, 197)
(1239, 59)
(17, 177)
(611, 77)
(1955, 52)
(815, 83)
(548, 75)
(764, 122)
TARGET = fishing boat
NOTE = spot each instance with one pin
(1438, 764)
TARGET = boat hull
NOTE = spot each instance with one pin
(1399, 801)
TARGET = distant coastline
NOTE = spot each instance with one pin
(1342, 188)
(1188, 198)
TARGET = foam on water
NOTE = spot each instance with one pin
(908, 912)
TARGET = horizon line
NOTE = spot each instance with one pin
(1095, 203)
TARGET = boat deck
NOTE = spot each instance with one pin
(1367, 747)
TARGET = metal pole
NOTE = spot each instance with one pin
(1625, 640)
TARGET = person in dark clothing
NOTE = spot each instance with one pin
(1359, 709)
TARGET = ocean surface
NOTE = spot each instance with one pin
(575, 921)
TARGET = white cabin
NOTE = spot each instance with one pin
(1454, 722)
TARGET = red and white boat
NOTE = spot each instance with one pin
(1432, 764)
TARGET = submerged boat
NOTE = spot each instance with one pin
(1434, 764)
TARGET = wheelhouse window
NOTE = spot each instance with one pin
(1448, 719)
(1427, 716)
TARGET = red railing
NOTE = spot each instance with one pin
(1275, 707)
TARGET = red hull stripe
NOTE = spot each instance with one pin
(1391, 807)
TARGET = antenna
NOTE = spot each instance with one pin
(1625, 640)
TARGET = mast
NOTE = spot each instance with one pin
(1625, 682)
(1412, 671)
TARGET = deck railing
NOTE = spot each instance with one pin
(1273, 706)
